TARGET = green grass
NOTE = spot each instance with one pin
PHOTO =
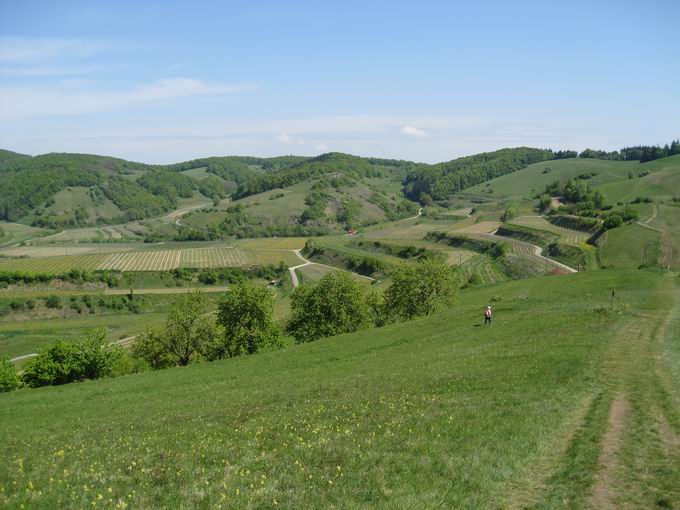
(626, 247)
(436, 413)
(611, 177)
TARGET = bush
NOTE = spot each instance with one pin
(53, 302)
(333, 306)
(187, 331)
(420, 289)
(613, 221)
(246, 314)
(9, 380)
(90, 357)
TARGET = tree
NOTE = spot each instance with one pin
(613, 221)
(9, 380)
(333, 306)
(188, 329)
(246, 314)
(187, 332)
(545, 201)
(420, 289)
(151, 348)
(89, 357)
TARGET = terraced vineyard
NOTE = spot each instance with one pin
(482, 266)
(539, 222)
(152, 260)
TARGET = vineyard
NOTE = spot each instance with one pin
(540, 223)
(482, 269)
(152, 260)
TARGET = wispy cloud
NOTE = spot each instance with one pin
(23, 102)
(33, 71)
(289, 139)
(413, 131)
(22, 50)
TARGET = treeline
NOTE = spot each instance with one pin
(326, 164)
(28, 184)
(243, 325)
(437, 182)
(641, 153)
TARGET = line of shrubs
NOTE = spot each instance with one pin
(493, 249)
(243, 325)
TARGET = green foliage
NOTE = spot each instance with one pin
(187, 331)
(511, 211)
(137, 202)
(528, 235)
(331, 163)
(90, 357)
(575, 222)
(444, 179)
(333, 306)
(612, 221)
(420, 289)
(151, 348)
(53, 302)
(349, 212)
(9, 380)
(316, 202)
(246, 316)
(544, 202)
(490, 248)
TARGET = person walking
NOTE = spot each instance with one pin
(487, 315)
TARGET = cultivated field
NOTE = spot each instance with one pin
(152, 260)
(540, 223)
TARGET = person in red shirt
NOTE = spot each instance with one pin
(487, 315)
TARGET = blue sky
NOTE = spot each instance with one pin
(163, 81)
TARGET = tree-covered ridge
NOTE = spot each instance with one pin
(325, 164)
(641, 153)
(440, 181)
(27, 184)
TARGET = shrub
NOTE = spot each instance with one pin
(53, 302)
(187, 331)
(420, 289)
(333, 306)
(246, 314)
(613, 221)
(9, 380)
(90, 357)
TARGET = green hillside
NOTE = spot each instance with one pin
(540, 410)
(619, 180)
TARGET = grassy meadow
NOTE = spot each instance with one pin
(554, 406)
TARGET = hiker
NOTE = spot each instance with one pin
(487, 315)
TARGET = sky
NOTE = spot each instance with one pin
(167, 81)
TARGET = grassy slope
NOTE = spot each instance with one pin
(624, 247)
(612, 179)
(439, 412)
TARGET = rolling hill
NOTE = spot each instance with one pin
(563, 402)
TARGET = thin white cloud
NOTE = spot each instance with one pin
(33, 71)
(20, 50)
(413, 132)
(24, 102)
(289, 139)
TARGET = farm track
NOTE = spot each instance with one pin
(294, 276)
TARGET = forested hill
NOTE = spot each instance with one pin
(69, 190)
(438, 182)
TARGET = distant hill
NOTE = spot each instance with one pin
(293, 195)
(618, 180)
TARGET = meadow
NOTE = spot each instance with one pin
(440, 412)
